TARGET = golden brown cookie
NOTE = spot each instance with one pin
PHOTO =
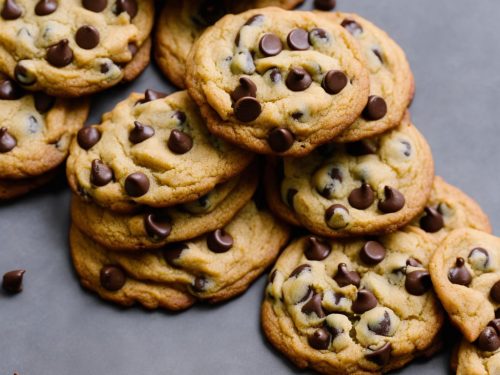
(11, 189)
(473, 361)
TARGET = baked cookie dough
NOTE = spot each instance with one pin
(276, 81)
(473, 361)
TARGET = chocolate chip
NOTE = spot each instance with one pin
(360, 148)
(320, 339)
(280, 139)
(318, 33)
(495, 292)
(137, 184)
(104, 68)
(325, 4)
(23, 75)
(314, 306)
(361, 198)
(13, 281)
(275, 75)
(352, 26)
(219, 241)
(129, 6)
(7, 141)
(372, 253)
(316, 249)
(45, 7)
(488, 340)
(87, 37)
(87, 137)
(495, 323)
(393, 202)
(375, 109)
(11, 10)
(413, 262)
(150, 95)
(334, 177)
(345, 277)
(173, 252)
(157, 227)
(479, 258)
(365, 301)
(298, 39)
(179, 116)
(59, 54)
(245, 88)
(297, 271)
(270, 45)
(199, 284)
(337, 216)
(100, 174)
(247, 109)
(140, 133)
(43, 102)
(95, 5)
(298, 79)
(459, 274)
(9, 90)
(407, 146)
(377, 53)
(290, 195)
(133, 49)
(432, 221)
(112, 278)
(382, 327)
(334, 81)
(380, 356)
(418, 282)
(179, 142)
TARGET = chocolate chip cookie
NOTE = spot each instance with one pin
(472, 360)
(372, 186)
(14, 188)
(276, 81)
(213, 268)
(363, 306)
(182, 22)
(465, 271)
(154, 228)
(152, 150)
(73, 47)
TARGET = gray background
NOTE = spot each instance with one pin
(54, 327)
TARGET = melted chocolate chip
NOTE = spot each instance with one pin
(298, 39)
(334, 82)
(365, 301)
(316, 249)
(298, 79)
(360, 148)
(173, 252)
(245, 88)
(345, 277)
(129, 6)
(378, 53)
(335, 175)
(432, 221)
(157, 227)
(150, 95)
(199, 284)
(270, 45)
(488, 340)
(380, 356)
(23, 75)
(280, 139)
(43, 102)
(393, 202)
(290, 194)
(179, 142)
(247, 109)
(100, 174)
(87, 37)
(9, 90)
(372, 253)
(12, 281)
(59, 55)
(112, 278)
(7, 141)
(320, 339)
(413, 262)
(382, 327)
(219, 241)
(275, 75)
(140, 133)
(352, 26)
(418, 282)
(87, 137)
(375, 109)
(480, 252)
(95, 5)
(361, 198)
(179, 116)
(11, 10)
(336, 209)
(460, 274)
(45, 7)
(325, 4)
(297, 271)
(314, 306)
(318, 33)
(495, 292)
(137, 184)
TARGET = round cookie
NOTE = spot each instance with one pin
(151, 150)
(14, 188)
(182, 22)
(368, 187)
(465, 271)
(391, 80)
(276, 81)
(362, 306)
(214, 267)
(35, 130)
(149, 229)
(74, 48)
(473, 361)
(449, 208)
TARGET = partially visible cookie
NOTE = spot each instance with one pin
(276, 81)
(214, 267)
(154, 228)
(465, 271)
(152, 150)
(359, 306)
(14, 188)
(368, 187)
(74, 48)
(474, 361)
(449, 208)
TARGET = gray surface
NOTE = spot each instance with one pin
(54, 327)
